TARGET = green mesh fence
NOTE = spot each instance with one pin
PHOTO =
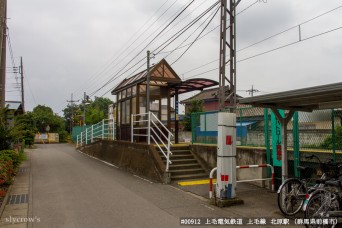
(320, 134)
(316, 133)
(249, 127)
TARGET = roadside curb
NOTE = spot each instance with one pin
(30, 193)
(17, 209)
(3, 205)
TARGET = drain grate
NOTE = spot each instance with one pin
(18, 199)
(23, 170)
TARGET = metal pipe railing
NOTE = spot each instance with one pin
(243, 167)
(158, 135)
(101, 130)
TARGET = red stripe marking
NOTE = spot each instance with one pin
(226, 177)
(263, 165)
(211, 184)
(244, 166)
(222, 177)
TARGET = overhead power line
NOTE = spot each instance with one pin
(119, 54)
(265, 39)
(196, 37)
(272, 50)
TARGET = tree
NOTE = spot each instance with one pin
(43, 116)
(24, 128)
(96, 111)
(195, 106)
(72, 115)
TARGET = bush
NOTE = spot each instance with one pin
(63, 136)
(10, 155)
(328, 142)
(9, 161)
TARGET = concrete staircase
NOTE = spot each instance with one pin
(184, 165)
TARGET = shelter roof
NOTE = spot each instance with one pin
(306, 99)
(160, 74)
(193, 84)
(163, 75)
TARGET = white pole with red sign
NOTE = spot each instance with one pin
(226, 156)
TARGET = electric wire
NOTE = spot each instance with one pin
(272, 50)
(268, 38)
(183, 30)
(196, 37)
(210, 31)
(208, 10)
(114, 77)
(124, 49)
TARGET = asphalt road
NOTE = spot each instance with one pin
(70, 189)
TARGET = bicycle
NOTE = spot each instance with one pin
(293, 191)
(323, 205)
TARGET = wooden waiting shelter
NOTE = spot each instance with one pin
(164, 85)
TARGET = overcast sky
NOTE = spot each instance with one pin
(78, 46)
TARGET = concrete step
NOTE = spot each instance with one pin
(188, 176)
(183, 161)
(183, 152)
(178, 157)
(174, 147)
(186, 171)
(181, 156)
(184, 166)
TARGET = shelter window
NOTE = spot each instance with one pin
(134, 105)
(126, 111)
(129, 92)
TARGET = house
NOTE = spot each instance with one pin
(14, 109)
(210, 99)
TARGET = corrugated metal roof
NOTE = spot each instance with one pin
(306, 99)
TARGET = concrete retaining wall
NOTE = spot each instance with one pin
(140, 159)
(245, 156)
(307, 137)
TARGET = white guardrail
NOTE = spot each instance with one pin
(102, 130)
(155, 130)
(243, 167)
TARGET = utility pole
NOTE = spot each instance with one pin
(84, 108)
(148, 98)
(72, 111)
(22, 84)
(226, 140)
(251, 91)
(148, 84)
(3, 36)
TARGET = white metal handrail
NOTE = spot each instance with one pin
(101, 130)
(156, 130)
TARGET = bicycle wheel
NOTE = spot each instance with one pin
(291, 196)
(318, 206)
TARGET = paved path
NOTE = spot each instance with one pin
(73, 190)
(70, 189)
